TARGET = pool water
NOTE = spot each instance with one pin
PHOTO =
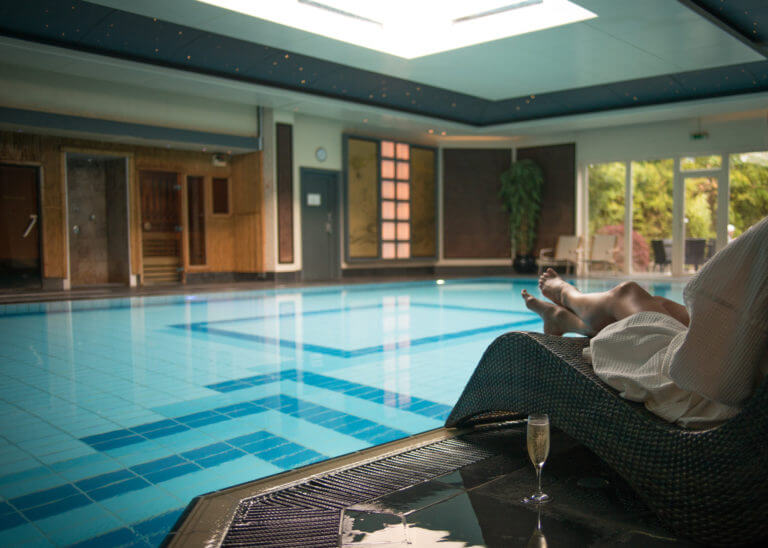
(116, 413)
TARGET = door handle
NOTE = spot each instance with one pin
(30, 226)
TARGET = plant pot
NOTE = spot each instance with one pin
(524, 264)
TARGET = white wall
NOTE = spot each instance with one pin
(632, 142)
(79, 96)
(661, 139)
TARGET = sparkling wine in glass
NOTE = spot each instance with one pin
(537, 437)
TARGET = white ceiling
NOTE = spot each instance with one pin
(629, 39)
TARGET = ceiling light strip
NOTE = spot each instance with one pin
(502, 9)
(343, 13)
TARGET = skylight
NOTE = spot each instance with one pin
(413, 28)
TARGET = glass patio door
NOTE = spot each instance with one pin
(700, 232)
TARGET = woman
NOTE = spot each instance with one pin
(696, 364)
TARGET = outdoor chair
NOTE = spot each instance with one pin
(709, 485)
(601, 252)
(566, 253)
(660, 257)
(695, 249)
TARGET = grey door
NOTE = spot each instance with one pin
(319, 222)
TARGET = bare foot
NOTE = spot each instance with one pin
(551, 286)
(547, 311)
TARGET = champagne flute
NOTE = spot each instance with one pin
(537, 434)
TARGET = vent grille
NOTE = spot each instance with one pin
(308, 514)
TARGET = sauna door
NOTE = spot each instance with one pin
(160, 227)
(19, 227)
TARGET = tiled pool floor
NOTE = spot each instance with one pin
(115, 413)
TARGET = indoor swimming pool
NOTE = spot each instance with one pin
(116, 413)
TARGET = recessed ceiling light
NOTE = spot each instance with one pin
(411, 29)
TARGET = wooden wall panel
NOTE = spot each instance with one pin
(248, 229)
(362, 198)
(285, 193)
(228, 234)
(423, 216)
(474, 223)
(558, 200)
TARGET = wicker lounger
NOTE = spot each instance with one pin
(709, 485)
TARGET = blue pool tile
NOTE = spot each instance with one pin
(246, 439)
(159, 524)
(262, 445)
(169, 430)
(119, 442)
(44, 496)
(153, 426)
(283, 450)
(118, 537)
(11, 519)
(101, 480)
(157, 465)
(305, 456)
(173, 472)
(207, 451)
(56, 507)
(226, 456)
(107, 436)
(115, 489)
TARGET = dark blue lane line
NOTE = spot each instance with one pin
(414, 404)
(202, 327)
(167, 427)
(63, 498)
(149, 532)
(291, 314)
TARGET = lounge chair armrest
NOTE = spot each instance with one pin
(546, 252)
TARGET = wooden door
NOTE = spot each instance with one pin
(160, 227)
(19, 227)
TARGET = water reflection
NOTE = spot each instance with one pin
(537, 540)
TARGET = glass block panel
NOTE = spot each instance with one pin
(388, 190)
(387, 169)
(403, 211)
(387, 210)
(403, 151)
(403, 171)
(388, 149)
(403, 250)
(403, 191)
(388, 231)
(388, 250)
(403, 231)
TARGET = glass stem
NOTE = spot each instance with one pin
(538, 479)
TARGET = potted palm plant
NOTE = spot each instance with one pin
(520, 193)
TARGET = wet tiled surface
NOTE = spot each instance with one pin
(116, 413)
(481, 505)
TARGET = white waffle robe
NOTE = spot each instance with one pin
(701, 375)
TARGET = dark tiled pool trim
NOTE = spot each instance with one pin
(145, 301)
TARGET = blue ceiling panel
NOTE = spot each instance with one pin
(97, 29)
(725, 80)
(748, 17)
(131, 35)
(648, 91)
(65, 21)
